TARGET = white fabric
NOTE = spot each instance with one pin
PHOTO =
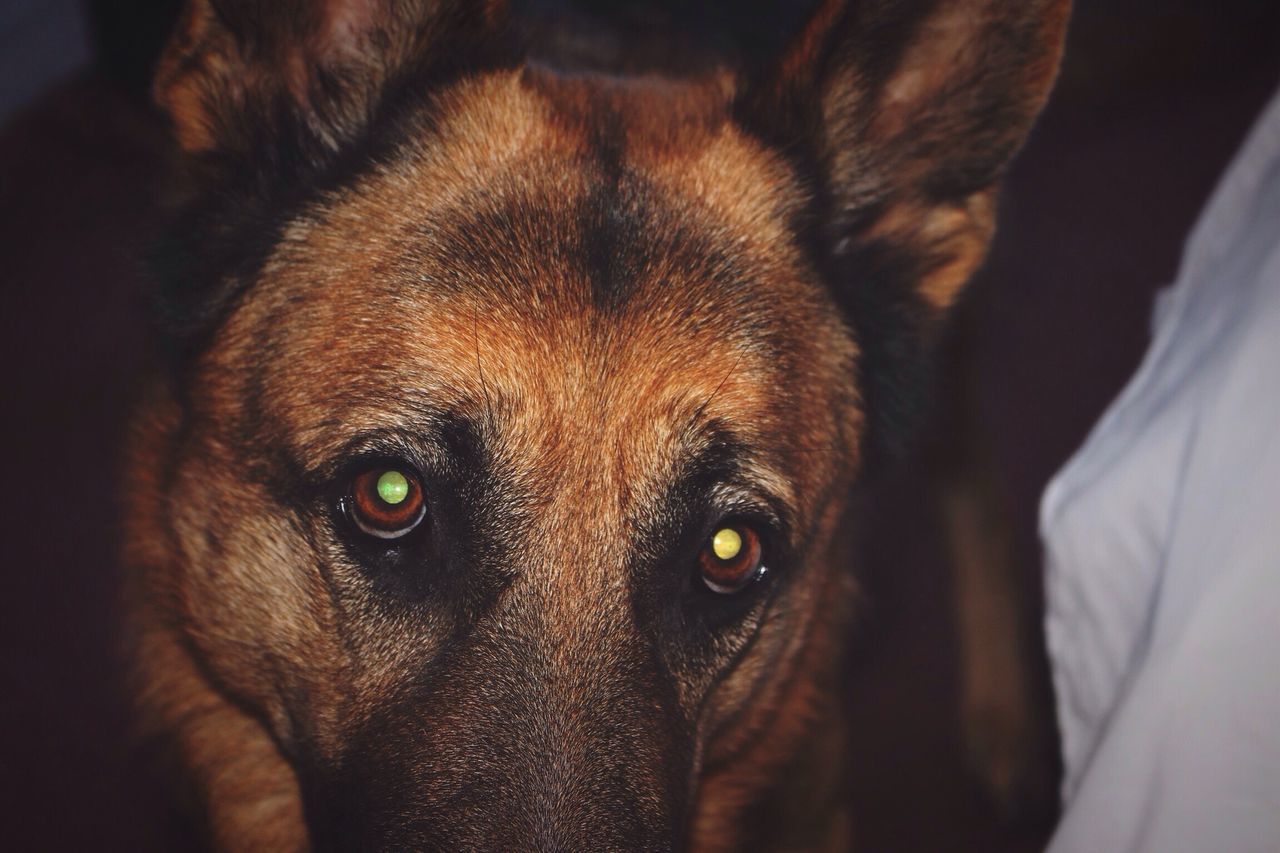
(1162, 542)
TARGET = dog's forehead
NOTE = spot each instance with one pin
(598, 255)
(599, 182)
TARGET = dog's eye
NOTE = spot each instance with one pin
(731, 559)
(385, 502)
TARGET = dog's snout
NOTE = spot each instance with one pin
(514, 747)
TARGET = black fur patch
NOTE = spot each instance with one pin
(894, 329)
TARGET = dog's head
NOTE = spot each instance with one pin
(517, 409)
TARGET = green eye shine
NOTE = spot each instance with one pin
(385, 503)
(393, 487)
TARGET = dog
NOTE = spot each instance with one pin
(492, 490)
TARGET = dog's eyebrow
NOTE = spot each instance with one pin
(433, 437)
(717, 460)
(709, 450)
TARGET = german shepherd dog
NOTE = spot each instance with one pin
(494, 489)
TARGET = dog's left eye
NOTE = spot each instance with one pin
(385, 502)
(731, 559)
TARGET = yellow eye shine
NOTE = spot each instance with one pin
(727, 543)
(731, 559)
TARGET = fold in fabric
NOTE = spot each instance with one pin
(1162, 543)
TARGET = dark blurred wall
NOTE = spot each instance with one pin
(41, 41)
(128, 35)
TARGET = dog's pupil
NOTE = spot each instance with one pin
(727, 543)
(393, 487)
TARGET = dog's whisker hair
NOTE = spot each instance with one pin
(705, 403)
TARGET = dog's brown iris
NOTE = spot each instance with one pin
(731, 558)
(386, 502)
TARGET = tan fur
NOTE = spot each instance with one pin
(450, 278)
(367, 339)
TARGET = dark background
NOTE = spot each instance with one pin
(1154, 97)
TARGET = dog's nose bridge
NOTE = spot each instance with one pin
(580, 542)
(555, 716)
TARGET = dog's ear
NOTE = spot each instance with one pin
(240, 74)
(905, 114)
(910, 110)
(265, 97)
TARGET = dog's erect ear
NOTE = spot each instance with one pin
(265, 96)
(910, 110)
(237, 72)
(906, 113)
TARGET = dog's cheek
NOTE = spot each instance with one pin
(778, 686)
(256, 609)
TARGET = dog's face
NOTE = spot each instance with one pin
(584, 369)
(518, 410)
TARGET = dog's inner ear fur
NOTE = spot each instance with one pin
(905, 113)
(910, 110)
(235, 71)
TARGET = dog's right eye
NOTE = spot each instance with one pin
(385, 502)
(732, 559)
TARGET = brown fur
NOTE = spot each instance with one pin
(595, 312)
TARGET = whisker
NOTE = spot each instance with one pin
(707, 402)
